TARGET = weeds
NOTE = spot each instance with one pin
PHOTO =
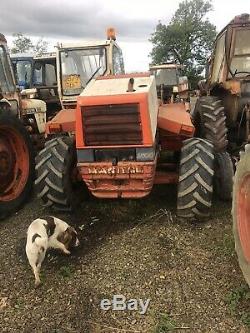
(65, 271)
(236, 300)
(165, 324)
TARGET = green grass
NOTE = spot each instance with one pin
(19, 304)
(165, 324)
(238, 303)
(226, 247)
(65, 271)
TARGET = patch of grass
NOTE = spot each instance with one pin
(19, 304)
(65, 271)
(165, 324)
(227, 245)
(222, 246)
(238, 303)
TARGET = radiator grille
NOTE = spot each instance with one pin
(115, 124)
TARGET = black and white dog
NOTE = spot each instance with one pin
(46, 233)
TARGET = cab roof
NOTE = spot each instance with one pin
(85, 44)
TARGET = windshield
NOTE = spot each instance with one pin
(6, 79)
(23, 73)
(79, 67)
(166, 76)
(240, 63)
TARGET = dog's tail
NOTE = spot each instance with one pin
(41, 242)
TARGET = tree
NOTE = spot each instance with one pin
(40, 47)
(23, 44)
(187, 39)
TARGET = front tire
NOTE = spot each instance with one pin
(196, 172)
(241, 212)
(54, 167)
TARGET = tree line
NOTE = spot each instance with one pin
(24, 44)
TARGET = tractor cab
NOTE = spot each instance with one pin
(31, 111)
(79, 63)
(22, 64)
(39, 74)
(231, 57)
(171, 85)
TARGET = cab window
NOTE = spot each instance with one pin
(118, 64)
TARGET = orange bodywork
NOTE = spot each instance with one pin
(125, 180)
(96, 121)
(173, 118)
(64, 121)
(174, 124)
(140, 99)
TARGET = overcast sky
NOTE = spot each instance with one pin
(134, 21)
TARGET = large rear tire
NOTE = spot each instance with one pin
(54, 167)
(210, 121)
(196, 172)
(241, 213)
(16, 164)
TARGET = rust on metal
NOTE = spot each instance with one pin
(166, 177)
(126, 180)
(234, 86)
(14, 158)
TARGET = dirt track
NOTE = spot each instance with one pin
(134, 248)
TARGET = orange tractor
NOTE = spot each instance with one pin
(120, 141)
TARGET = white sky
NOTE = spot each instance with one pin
(135, 19)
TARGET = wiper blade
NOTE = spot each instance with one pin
(93, 74)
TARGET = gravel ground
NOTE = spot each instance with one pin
(135, 248)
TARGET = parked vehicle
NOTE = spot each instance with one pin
(119, 135)
(38, 73)
(223, 114)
